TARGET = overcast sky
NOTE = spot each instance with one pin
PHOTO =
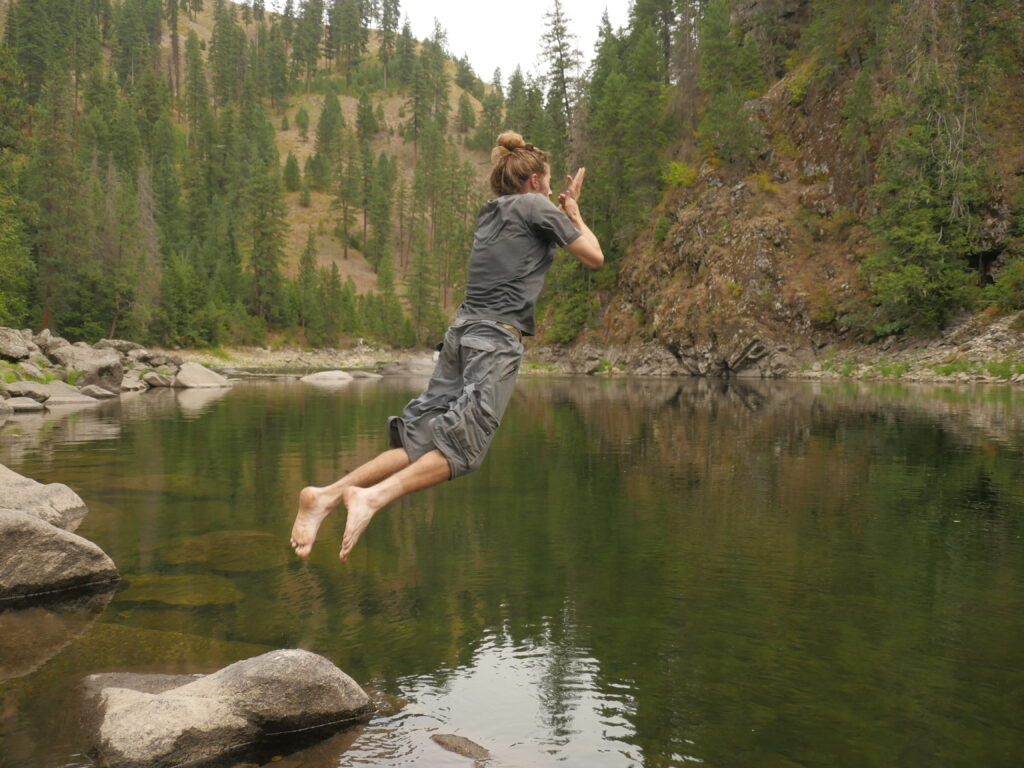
(504, 34)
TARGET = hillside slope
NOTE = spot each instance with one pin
(759, 270)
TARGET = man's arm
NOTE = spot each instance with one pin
(586, 247)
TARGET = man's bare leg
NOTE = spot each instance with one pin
(363, 503)
(316, 503)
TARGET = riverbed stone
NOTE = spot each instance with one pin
(70, 401)
(196, 375)
(24, 404)
(132, 382)
(53, 503)
(32, 634)
(365, 375)
(97, 366)
(154, 379)
(47, 342)
(31, 389)
(30, 370)
(97, 392)
(327, 377)
(221, 714)
(12, 345)
(37, 558)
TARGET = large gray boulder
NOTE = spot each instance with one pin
(37, 558)
(97, 366)
(174, 721)
(196, 375)
(154, 379)
(12, 345)
(54, 503)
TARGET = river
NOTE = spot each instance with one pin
(643, 573)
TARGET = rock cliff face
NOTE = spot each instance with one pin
(750, 275)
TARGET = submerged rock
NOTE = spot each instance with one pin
(141, 721)
(181, 589)
(234, 551)
(32, 635)
(37, 558)
(460, 745)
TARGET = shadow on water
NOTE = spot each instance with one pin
(644, 572)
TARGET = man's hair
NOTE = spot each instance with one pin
(514, 162)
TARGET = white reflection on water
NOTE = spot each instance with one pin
(528, 704)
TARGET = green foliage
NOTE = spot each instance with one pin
(661, 227)
(302, 122)
(730, 75)
(678, 173)
(292, 179)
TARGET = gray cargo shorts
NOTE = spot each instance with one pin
(465, 399)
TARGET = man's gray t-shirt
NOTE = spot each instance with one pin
(515, 242)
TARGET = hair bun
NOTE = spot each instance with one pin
(510, 140)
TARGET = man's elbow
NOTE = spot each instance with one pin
(595, 259)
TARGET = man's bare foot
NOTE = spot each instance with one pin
(360, 513)
(313, 508)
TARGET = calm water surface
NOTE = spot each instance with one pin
(644, 573)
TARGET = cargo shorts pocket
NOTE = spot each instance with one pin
(470, 433)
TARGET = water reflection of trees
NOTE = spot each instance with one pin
(764, 554)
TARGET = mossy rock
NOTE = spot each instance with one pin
(181, 589)
(234, 551)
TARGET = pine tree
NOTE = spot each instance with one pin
(405, 55)
(292, 180)
(16, 268)
(308, 37)
(387, 34)
(559, 51)
(366, 123)
(268, 228)
(465, 120)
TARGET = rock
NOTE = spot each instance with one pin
(419, 366)
(158, 359)
(32, 635)
(144, 722)
(97, 366)
(31, 370)
(24, 404)
(47, 342)
(196, 375)
(37, 558)
(460, 745)
(31, 389)
(54, 503)
(57, 401)
(119, 345)
(12, 345)
(364, 375)
(93, 390)
(154, 379)
(327, 377)
(55, 388)
(132, 382)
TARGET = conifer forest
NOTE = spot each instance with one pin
(197, 173)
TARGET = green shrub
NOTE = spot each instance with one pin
(678, 173)
(661, 227)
